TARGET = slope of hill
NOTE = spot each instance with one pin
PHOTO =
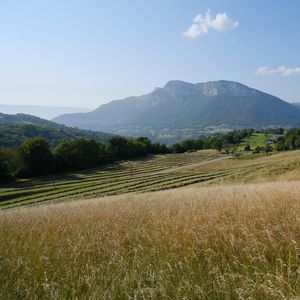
(25, 119)
(181, 110)
(14, 129)
(45, 112)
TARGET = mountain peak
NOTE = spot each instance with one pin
(211, 88)
(177, 84)
(179, 89)
(224, 87)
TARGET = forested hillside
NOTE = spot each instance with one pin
(14, 129)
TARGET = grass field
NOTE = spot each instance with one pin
(146, 175)
(219, 242)
(255, 140)
(231, 230)
(280, 166)
(156, 173)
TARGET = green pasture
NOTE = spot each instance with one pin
(255, 140)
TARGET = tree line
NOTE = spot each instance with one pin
(35, 157)
(221, 142)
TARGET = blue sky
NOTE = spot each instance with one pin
(85, 53)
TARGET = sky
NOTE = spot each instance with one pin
(83, 53)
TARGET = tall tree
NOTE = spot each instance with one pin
(34, 158)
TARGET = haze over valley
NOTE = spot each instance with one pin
(44, 112)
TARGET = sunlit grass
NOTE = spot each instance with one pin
(221, 242)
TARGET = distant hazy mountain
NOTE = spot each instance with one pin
(296, 104)
(45, 112)
(14, 129)
(180, 110)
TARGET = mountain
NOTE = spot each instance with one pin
(182, 110)
(45, 112)
(296, 104)
(14, 129)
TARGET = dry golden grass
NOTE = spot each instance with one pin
(208, 152)
(275, 167)
(221, 242)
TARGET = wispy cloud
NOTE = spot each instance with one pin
(202, 24)
(283, 70)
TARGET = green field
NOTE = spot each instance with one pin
(255, 140)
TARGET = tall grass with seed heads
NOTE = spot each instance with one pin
(218, 242)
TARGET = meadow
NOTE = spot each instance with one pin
(230, 230)
(219, 242)
(155, 173)
(158, 172)
(255, 140)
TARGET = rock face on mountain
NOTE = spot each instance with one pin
(182, 110)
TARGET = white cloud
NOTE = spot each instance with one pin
(203, 23)
(283, 70)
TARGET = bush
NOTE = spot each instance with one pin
(247, 147)
(257, 150)
(268, 148)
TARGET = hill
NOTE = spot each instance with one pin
(45, 112)
(183, 110)
(14, 129)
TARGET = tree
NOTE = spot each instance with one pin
(7, 163)
(228, 148)
(177, 148)
(292, 139)
(162, 149)
(217, 143)
(281, 146)
(34, 158)
(247, 147)
(146, 142)
(119, 147)
(79, 154)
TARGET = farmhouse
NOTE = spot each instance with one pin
(275, 139)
